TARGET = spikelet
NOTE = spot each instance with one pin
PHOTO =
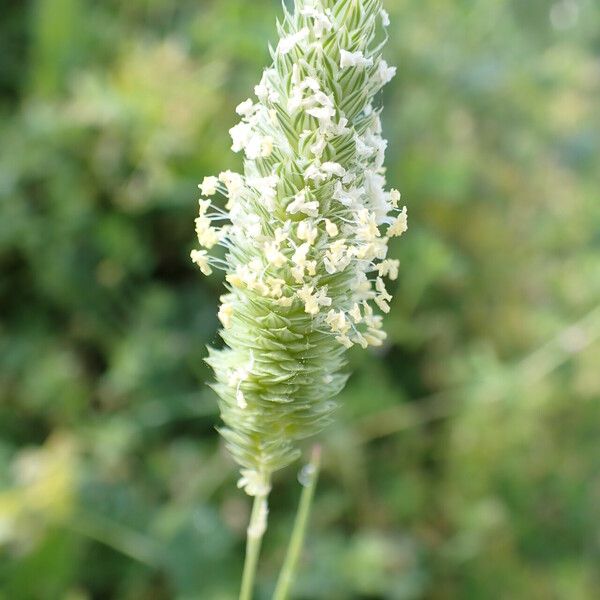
(306, 230)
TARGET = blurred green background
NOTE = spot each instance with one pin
(465, 462)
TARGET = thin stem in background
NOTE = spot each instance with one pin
(256, 530)
(118, 537)
(533, 368)
(308, 479)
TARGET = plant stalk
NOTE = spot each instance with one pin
(255, 533)
(308, 476)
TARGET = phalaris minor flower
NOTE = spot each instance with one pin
(305, 230)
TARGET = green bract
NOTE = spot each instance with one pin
(305, 229)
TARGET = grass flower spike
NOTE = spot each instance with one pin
(305, 230)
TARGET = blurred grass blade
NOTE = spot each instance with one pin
(308, 479)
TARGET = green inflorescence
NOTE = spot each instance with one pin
(305, 230)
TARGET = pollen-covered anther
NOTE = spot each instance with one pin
(275, 286)
(354, 59)
(234, 184)
(324, 172)
(299, 256)
(273, 254)
(362, 148)
(344, 340)
(385, 73)
(200, 257)
(264, 90)
(299, 269)
(385, 17)
(301, 204)
(366, 228)
(394, 197)
(375, 337)
(322, 22)
(239, 376)
(248, 275)
(360, 339)
(382, 297)
(266, 146)
(337, 256)
(266, 188)
(313, 300)
(399, 226)
(208, 187)
(354, 312)
(207, 235)
(307, 231)
(337, 321)
(286, 44)
(331, 228)
(311, 267)
(225, 314)
(245, 108)
(389, 268)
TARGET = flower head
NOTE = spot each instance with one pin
(305, 229)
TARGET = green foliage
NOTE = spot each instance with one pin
(464, 460)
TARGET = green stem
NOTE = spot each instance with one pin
(288, 571)
(256, 530)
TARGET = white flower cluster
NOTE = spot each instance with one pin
(306, 227)
(334, 225)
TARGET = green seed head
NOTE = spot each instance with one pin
(305, 229)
